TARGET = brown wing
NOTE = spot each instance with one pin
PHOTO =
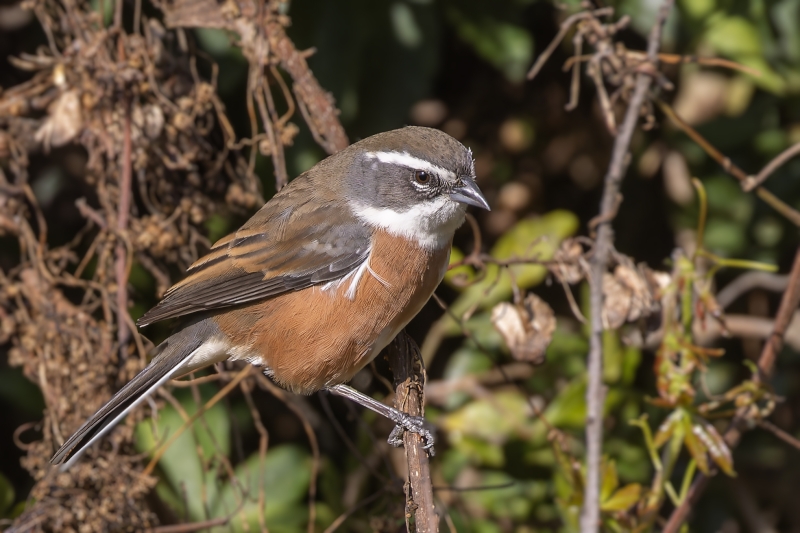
(288, 245)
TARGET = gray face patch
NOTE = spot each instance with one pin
(386, 170)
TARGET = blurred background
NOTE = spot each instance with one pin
(460, 66)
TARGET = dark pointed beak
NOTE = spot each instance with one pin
(469, 193)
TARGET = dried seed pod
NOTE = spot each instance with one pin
(64, 123)
(566, 265)
(628, 296)
(527, 328)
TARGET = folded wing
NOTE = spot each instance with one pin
(288, 245)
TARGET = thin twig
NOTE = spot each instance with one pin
(781, 434)
(192, 526)
(121, 263)
(748, 281)
(595, 392)
(727, 165)
(224, 391)
(562, 32)
(409, 380)
(753, 182)
(789, 302)
(766, 363)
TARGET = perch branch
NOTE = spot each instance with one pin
(595, 392)
(409, 380)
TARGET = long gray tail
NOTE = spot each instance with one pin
(173, 358)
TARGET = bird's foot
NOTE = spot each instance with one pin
(414, 424)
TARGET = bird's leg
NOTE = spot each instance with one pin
(405, 422)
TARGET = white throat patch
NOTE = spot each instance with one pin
(430, 223)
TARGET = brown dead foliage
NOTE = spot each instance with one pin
(161, 158)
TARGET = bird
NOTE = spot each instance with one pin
(319, 280)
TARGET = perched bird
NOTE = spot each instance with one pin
(320, 279)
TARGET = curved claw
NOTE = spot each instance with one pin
(414, 424)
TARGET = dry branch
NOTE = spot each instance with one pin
(409, 379)
(595, 391)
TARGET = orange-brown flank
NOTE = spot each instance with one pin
(306, 354)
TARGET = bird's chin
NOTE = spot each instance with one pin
(431, 224)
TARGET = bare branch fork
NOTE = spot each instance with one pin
(595, 392)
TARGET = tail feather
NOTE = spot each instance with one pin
(176, 356)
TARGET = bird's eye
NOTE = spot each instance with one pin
(422, 177)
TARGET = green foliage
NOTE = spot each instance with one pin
(6, 497)
(269, 489)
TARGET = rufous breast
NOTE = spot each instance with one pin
(323, 335)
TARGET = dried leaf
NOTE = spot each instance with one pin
(527, 329)
(64, 122)
(628, 296)
(566, 266)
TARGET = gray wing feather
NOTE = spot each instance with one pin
(282, 248)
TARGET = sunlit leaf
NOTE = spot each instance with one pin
(459, 276)
(715, 445)
(536, 238)
(623, 499)
(494, 419)
(608, 478)
(696, 446)
(667, 428)
(734, 36)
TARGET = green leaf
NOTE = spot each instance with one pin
(536, 238)
(667, 428)
(280, 482)
(568, 408)
(696, 446)
(733, 36)
(623, 499)
(185, 469)
(715, 445)
(510, 499)
(405, 27)
(6, 495)
(697, 9)
(494, 419)
(609, 479)
(784, 15)
(459, 276)
(465, 361)
(505, 45)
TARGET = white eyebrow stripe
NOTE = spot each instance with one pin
(408, 160)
